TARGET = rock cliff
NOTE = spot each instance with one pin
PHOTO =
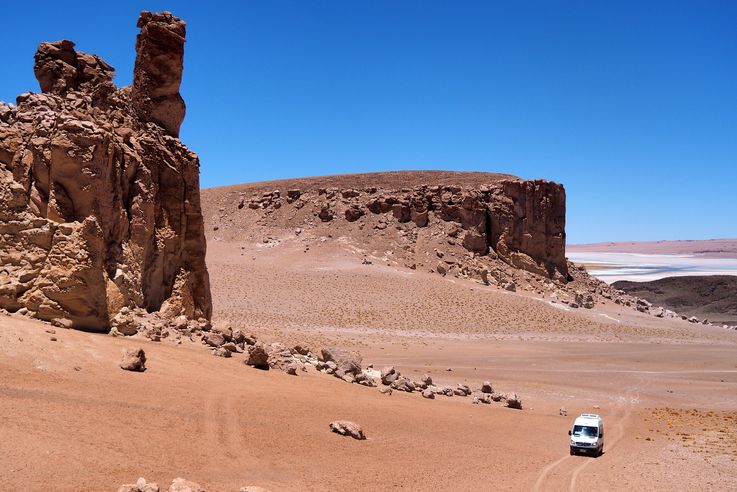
(99, 202)
(489, 216)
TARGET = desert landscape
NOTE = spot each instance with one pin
(414, 330)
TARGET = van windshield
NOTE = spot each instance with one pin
(585, 431)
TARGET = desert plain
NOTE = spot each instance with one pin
(667, 389)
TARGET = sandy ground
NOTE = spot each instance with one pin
(667, 390)
(71, 420)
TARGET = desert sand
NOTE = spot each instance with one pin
(667, 389)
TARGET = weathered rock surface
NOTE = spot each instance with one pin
(257, 356)
(347, 428)
(347, 362)
(99, 204)
(134, 360)
(140, 486)
(184, 485)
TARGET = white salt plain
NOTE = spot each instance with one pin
(611, 267)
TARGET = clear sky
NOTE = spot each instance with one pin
(631, 105)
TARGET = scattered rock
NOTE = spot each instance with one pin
(428, 394)
(139, 486)
(183, 485)
(222, 352)
(346, 362)
(486, 387)
(347, 428)
(257, 356)
(389, 375)
(514, 401)
(385, 390)
(134, 360)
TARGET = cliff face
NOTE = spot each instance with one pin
(100, 205)
(492, 217)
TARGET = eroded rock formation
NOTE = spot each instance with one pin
(521, 222)
(99, 206)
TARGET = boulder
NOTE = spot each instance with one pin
(214, 339)
(514, 401)
(403, 384)
(389, 375)
(183, 485)
(134, 360)
(428, 394)
(222, 352)
(353, 213)
(256, 356)
(140, 486)
(347, 428)
(346, 362)
(486, 387)
(292, 369)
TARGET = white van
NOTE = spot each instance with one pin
(587, 434)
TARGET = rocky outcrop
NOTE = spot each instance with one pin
(99, 205)
(519, 222)
(158, 70)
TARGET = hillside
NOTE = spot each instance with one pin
(712, 297)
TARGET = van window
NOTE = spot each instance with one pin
(585, 431)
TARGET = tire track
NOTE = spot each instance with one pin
(619, 426)
(623, 409)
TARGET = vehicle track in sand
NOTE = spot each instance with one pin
(563, 473)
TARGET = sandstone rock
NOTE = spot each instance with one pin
(658, 312)
(214, 339)
(292, 369)
(346, 362)
(100, 210)
(462, 390)
(514, 401)
(389, 375)
(353, 213)
(257, 356)
(134, 360)
(403, 384)
(158, 70)
(585, 300)
(139, 486)
(509, 285)
(279, 357)
(325, 215)
(486, 387)
(222, 352)
(183, 485)
(479, 397)
(301, 349)
(364, 380)
(347, 428)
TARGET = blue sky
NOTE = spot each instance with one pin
(631, 105)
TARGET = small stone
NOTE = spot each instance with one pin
(183, 485)
(347, 428)
(134, 360)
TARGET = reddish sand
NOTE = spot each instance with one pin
(667, 389)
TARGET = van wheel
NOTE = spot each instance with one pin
(572, 452)
(600, 451)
